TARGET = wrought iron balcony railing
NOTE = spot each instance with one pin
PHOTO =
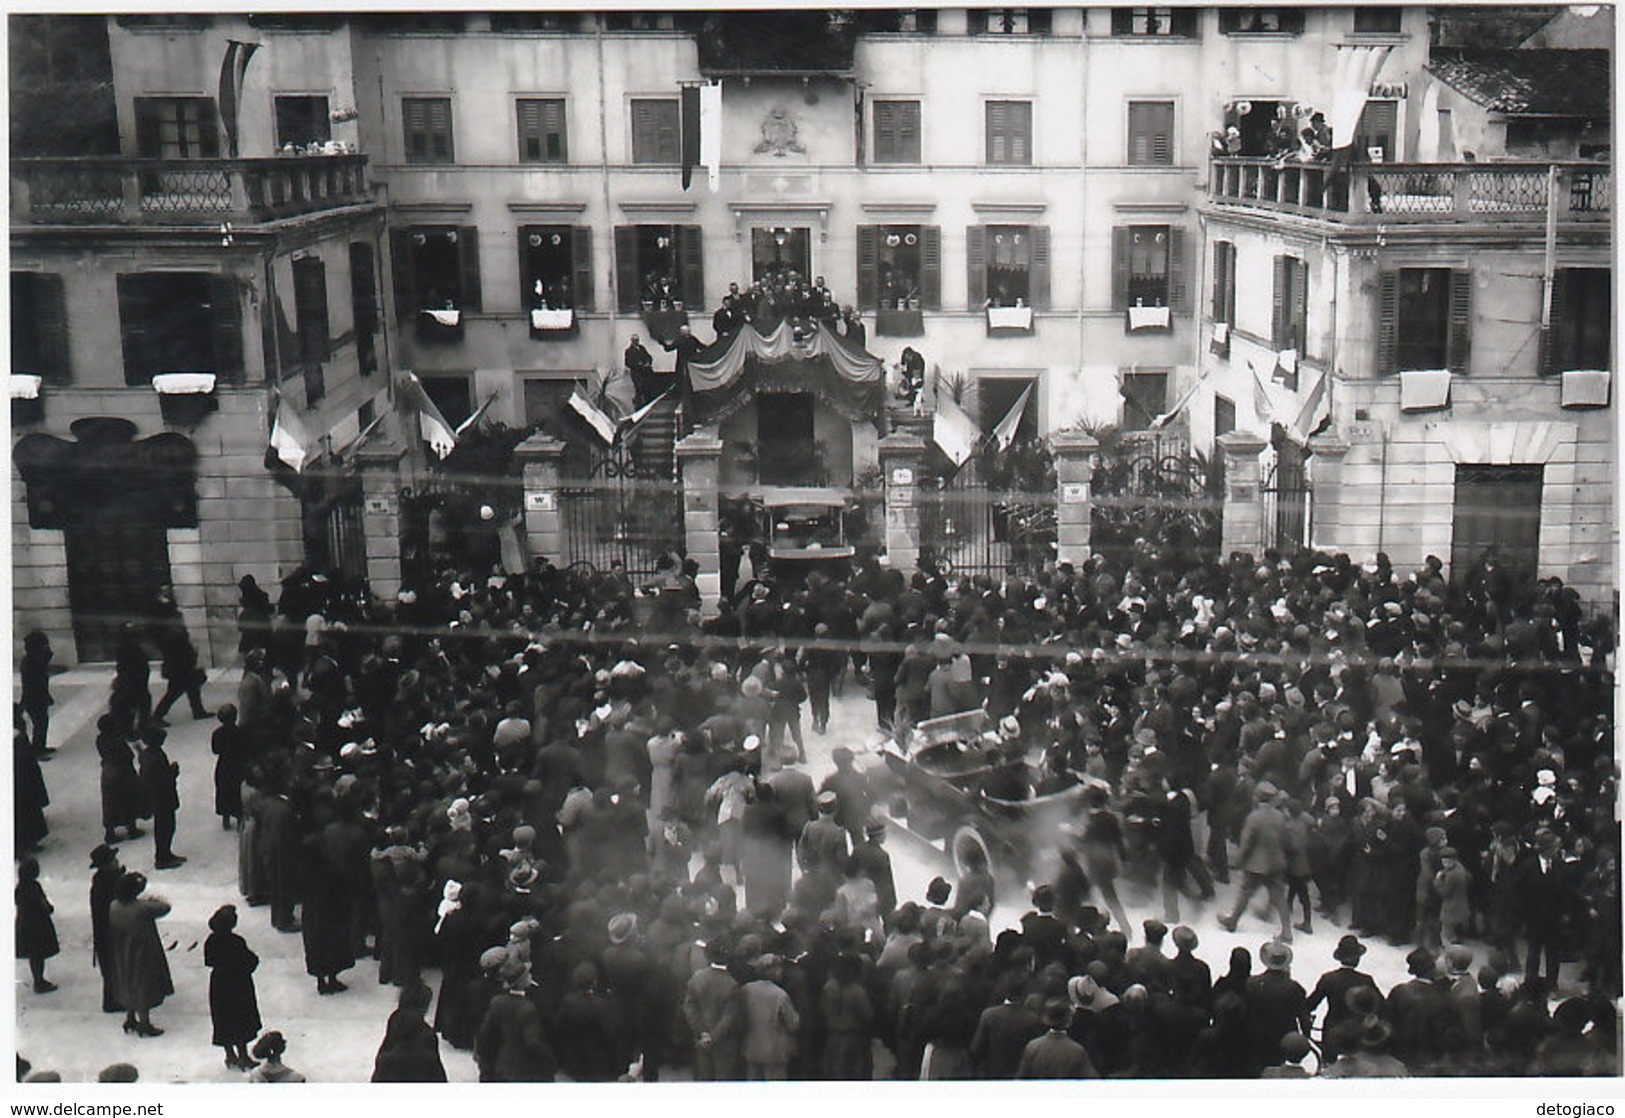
(1385, 193)
(117, 190)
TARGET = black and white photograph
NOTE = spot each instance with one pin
(799, 546)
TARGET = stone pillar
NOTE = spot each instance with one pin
(539, 458)
(1326, 510)
(1074, 469)
(900, 457)
(1243, 503)
(378, 464)
(699, 459)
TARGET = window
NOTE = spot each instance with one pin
(640, 21)
(652, 260)
(1148, 267)
(1497, 513)
(1224, 415)
(656, 135)
(1154, 23)
(904, 21)
(533, 21)
(435, 267)
(1150, 133)
(1261, 21)
(1010, 21)
(180, 322)
(364, 307)
(176, 128)
(310, 319)
(897, 131)
(899, 267)
(1582, 313)
(778, 250)
(301, 121)
(1377, 21)
(427, 121)
(1007, 263)
(1379, 125)
(541, 130)
(1224, 282)
(62, 100)
(1010, 133)
(452, 396)
(1291, 307)
(39, 326)
(555, 267)
(1424, 319)
(1145, 396)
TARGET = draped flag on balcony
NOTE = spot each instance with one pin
(479, 413)
(232, 69)
(1354, 70)
(1263, 403)
(1173, 413)
(440, 436)
(954, 431)
(1005, 433)
(615, 391)
(290, 440)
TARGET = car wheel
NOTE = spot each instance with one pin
(966, 841)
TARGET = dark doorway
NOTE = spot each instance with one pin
(117, 562)
(997, 395)
(773, 251)
(1497, 512)
(786, 449)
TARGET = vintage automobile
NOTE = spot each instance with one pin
(806, 530)
(941, 779)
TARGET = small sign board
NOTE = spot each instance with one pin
(544, 500)
(902, 475)
(1074, 492)
(379, 506)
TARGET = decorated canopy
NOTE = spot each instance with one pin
(846, 377)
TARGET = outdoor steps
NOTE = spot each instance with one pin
(654, 446)
(904, 421)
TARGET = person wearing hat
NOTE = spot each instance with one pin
(1462, 990)
(1370, 1059)
(766, 850)
(233, 1008)
(771, 1022)
(1276, 1005)
(410, 1051)
(1419, 1010)
(36, 932)
(875, 864)
(1191, 978)
(1451, 884)
(142, 968)
(713, 1013)
(270, 1048)
(1333, 989)
(1546, 897)
(103, 888)
(120, 786)
(1295, 1048)
(1147, 965)
(1054, 1054)
(1263, 861)
(854, 803)
(823, 841)
(512, 1044)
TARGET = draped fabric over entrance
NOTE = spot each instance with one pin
(846, 377)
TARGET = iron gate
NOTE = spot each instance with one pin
(1152, 486)
(968, 528)
(1286, 496)
(619, 513)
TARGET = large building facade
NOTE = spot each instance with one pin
(496, 203)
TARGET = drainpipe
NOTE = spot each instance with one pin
(1549, 270)
(603, 179)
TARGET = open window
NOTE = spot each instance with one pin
(302, 121)
(1424, 319)
(437, 278)
(659, 267)
(1148, 275)
(1582, 314)
(180, 322)
(1008, 272)
(899, 276)
(555, 273)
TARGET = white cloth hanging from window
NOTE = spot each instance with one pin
(1010, 318)
(182, 384)
(445, 317)
(1586, 388)
(1424, 389)
(552, 320)
(1148, 318)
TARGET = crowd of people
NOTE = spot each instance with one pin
(1297, 133)
(583, 805)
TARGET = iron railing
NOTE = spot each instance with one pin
(184, 191)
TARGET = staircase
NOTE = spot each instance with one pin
(903, 421)
(653, 448)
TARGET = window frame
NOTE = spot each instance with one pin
(1289, 20)
(1034, 21)
(1565, 347)
(1368, 11)
(39, 326)
(639, 156)
(904, 158)
(1144, 107)
(429, 133)
(218, 303)
(1289, 328)
(543, 133)
(1391, 303)
(1010, 130)
(1183, 23)
(1223, 307)
(1176, 292)
(1141, 376)
(277, 102)
(154, 131)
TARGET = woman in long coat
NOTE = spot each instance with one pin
(410, 1052)
(230, 746)
(142, 969)
(766, 852)
(460, 935)
(121, 787)
(28, 793)
(103, 888)
(36, 933)
(326, 921)
(233, 1008)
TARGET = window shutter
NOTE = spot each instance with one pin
(886, 139)
(1461, 319)
(1021, 137)
(868, 266)
(555, 138)
(1552, 338)
(1281, 296)
(133, 321)
(208, 128)
(976, 266)
(363, 306)
(527, 276)
(1178, 290)
(1162, 134)
(1122, 21)
(1038, 21)
(1223, 268)
(404, 276)
(643, 133)
(931, 267)
(530, 130)
(50, 327)
(997, 123)
(310, 308)
(1184, 22)
(1122, 246)
(626, 268)
(1292, 21)
(581, 265)
(468, 258)
(1038, 276)
(147, 143)
(691, 260)
(226, 317)
(440, 130)
(1387, 322)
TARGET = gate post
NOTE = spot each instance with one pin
(699, 458)
(1326, 528)
(1074, 503)
(900, 456)
(539, 458)
(1243, 503)
(378, 464)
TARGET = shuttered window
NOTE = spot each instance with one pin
(435, 267)
(656, 136)
(364, 306)
(651, 258)
(560, 257)
(177, 128)
(1010, 133)
(1154, 23)
(1007, 265)
(1379, 125)
(1424, 319)
(310, 308)
(427, 124)
(1224, 282)
(39, 326)
(899, 267)
(180, 322)
(897, 131)
(1290, 304)
(1582, 314)
(1150, 133)
(1148, 268)
(541, 130)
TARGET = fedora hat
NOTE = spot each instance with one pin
(1275, 955)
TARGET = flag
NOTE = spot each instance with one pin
(289, 437)
(1172, 413)
(711, 134)
(1316, 412)
(689, 130)
(479, 413)
(232, 68)
(1263, 403)
(362, 436)
(1005, 433)
(603, 426)
(616, 392)
(954, 431)
(431, 424)
(630, 425)
(1286, 368)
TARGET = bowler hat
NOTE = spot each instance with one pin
(1348, 950)
(1374, 1033)
(622, 927)
(102, 855)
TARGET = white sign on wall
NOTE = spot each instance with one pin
(902, 475)
(380, 506)
(543, 501)
(1074, 492)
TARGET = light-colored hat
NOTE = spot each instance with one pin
(622, 927)
(1275, 955)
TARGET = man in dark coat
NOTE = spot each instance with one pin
(1003, 1033)
(1333, 989)
(852, 798)
(687, 348)
(875, 864)
(711, 1007)
(1546, 895)
(160, 780)
(823, 841)
(179, 667)
(103, 888)
(1054, 1055)
(512, 1045)
(1420, 1012)
(1276, 1006)
(1263, 862)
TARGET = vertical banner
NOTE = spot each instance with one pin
(232, 69)
(711, 133)
(689, 127)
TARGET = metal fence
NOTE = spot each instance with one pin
(971, 529)
(614, 516)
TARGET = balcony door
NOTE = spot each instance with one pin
(785, 441)
(778, 250)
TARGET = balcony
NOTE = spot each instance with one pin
(793, 43)
(120, 191)
(1406, 193)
